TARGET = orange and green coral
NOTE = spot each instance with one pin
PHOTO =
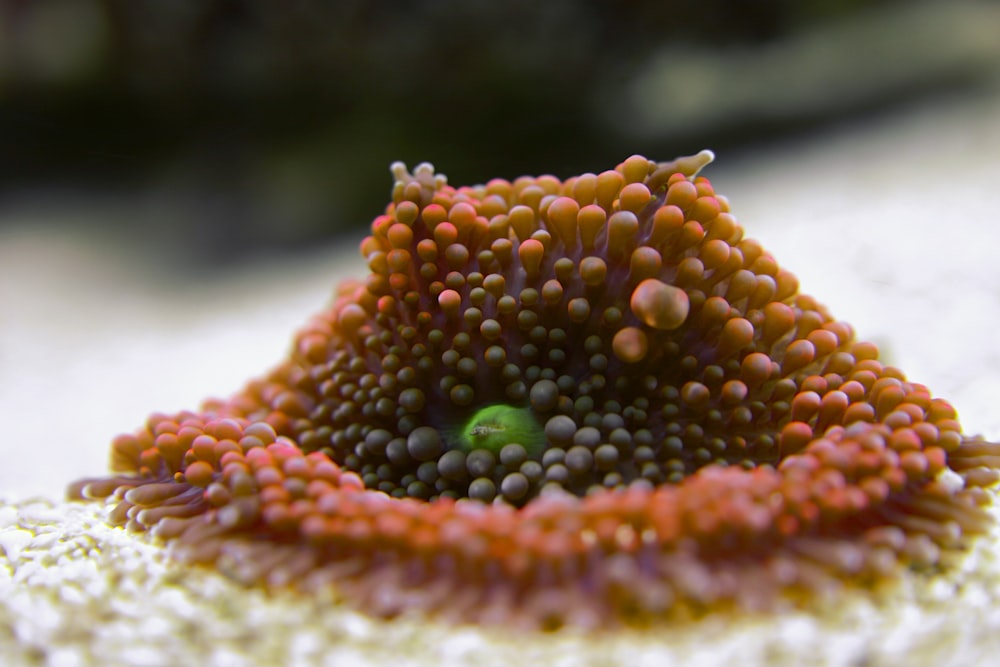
(563, 402)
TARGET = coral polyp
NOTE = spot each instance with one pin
(563, 402)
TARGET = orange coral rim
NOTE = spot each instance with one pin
(563, 402)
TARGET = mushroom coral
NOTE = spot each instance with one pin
(563, 402)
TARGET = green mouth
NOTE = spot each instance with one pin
(498, 425)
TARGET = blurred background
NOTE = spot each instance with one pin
(255, 126)
(181, 182)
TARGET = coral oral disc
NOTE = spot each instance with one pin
(563, 402)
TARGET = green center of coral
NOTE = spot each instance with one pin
(499, 425)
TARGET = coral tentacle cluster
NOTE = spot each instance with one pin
(563, 402)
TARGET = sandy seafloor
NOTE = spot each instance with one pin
(894, 223)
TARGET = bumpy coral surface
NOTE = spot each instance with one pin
(563, 402)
